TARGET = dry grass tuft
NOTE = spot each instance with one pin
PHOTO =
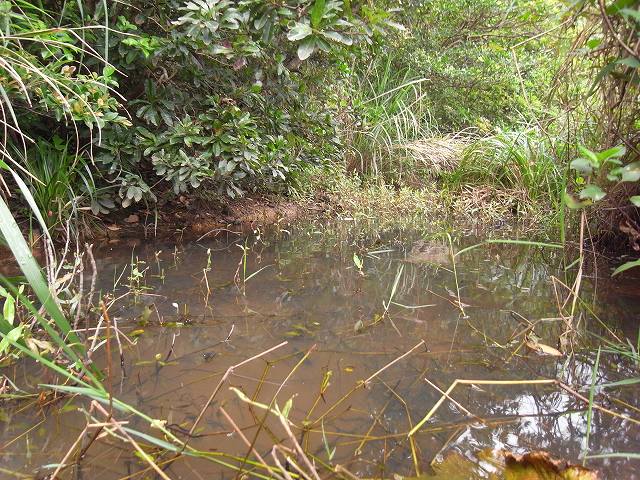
(433, 156)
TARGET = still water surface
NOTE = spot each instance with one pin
(309, 292)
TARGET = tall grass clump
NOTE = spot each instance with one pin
(392, 134)
(522, 162)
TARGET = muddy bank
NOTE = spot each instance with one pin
(195, 217)
(184, 218)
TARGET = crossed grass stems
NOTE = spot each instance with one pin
(288, 450)
(291, 458)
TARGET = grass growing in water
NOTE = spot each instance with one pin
(523, 163)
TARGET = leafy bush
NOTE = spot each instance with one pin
(218, 92)
(481, 66)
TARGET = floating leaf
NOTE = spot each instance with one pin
(506, 466)
(359, 326)
(635, 200)
(541, 348)
(547, 350)
(540, 466)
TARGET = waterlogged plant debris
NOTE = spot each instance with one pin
(541, 466)
(501, 465)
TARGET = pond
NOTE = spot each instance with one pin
(399, 315)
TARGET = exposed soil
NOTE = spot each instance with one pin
(187, 218)
(193, 217)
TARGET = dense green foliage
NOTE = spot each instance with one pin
(108, 106)
(173, 94)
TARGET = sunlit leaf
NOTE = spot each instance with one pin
(11, 337)
(317, 12)
(592, 192)
(631, 172)
(306, 48)
(299, 31)
(9, 309)
(582, 165)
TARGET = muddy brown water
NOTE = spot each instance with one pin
(309, 292)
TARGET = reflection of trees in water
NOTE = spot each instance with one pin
(313, 281)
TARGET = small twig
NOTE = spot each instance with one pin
(219, 385)
(109, 385)
(366, 382)
(452, 400)
(63, 463)
(94, 275)
(279, 464)
(144, 455)
(247, 443)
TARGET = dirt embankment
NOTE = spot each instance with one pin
(183, 219)
(194, 217)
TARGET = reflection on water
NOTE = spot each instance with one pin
(182, 302)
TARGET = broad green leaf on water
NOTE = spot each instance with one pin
(592, 192)
(299, 32)
(306, 48)
(9, 309)
(582, 165)
(626, 266)
(635, 200)
(11, 337)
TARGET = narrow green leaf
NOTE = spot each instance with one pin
(626, 266)
(317, 12)
(9, 309)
